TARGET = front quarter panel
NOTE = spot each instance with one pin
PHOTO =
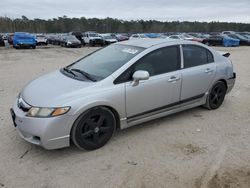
(112, 96)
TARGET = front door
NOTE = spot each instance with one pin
(163, 87)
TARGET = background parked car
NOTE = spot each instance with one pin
(243, 40)
(24, 40)
(41, 39)
(10, 38)
(137, 36)
(71, 41)
(92, 38)
(245, 34)
(220, 40)
(108, 39)
(2, 41)
(54, 39)
(182, 37)
(227, 32)
(152, 35)
(79, 36)
(121, 37)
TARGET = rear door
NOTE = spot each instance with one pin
(198, 72)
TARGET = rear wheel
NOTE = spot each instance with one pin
(216, 95)
(93, 129)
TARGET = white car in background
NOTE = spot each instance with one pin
(137, 36)
(108, 39)
(92, 38)
(181, 37)
(41, 39)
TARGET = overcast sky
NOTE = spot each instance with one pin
(163, 10)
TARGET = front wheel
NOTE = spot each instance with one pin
(216, 96)
(93, 129)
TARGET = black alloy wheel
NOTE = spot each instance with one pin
(93, 129)
(217, 95)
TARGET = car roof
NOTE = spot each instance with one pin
(147, 42)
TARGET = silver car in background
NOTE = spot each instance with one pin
(124, 84)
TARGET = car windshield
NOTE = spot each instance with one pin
(93, 35)
(143, 36)
(106, 61)
(107, 37)
(71, 38)
(24, 37)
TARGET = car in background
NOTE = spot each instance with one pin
(243, 40)
(54, 39)
(153, 35)
(24, 40)
(2, 43)
(137, 36)
(92, 38)
(10, 38)
(181, 37)
(245, 34)
(221, 40)
(121, 37)
(41, 39)
(70, 41)
(79, 36)
(120, 86)
(108, 39)
(227, 32)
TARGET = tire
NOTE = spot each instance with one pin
(93, 129)
(91, 43)
(34, 47)
(216, 96)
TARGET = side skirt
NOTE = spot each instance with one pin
(161, 112)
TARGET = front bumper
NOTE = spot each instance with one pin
(231, 82)
(49, 133)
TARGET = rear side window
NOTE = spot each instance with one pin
(196, 55)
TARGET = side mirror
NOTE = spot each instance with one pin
(139, 75)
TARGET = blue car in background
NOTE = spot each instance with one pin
(221, 40)
(152, 35)
(24, 40)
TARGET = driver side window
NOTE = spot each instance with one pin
(160, 61)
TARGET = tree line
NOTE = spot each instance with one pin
(111, 25)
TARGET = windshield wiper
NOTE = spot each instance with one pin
(66, 69)
(87, 75)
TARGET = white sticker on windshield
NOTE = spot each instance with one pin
(129, 50)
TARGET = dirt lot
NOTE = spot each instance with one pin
(168, 152)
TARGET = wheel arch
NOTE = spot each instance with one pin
(224, 81)
(109, 107)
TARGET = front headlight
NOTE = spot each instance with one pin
(47, 112)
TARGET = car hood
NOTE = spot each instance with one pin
(54, 89)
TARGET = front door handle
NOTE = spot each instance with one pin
(208, 70)
(173, 79)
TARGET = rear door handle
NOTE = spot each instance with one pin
(173, 79)
(208, 70)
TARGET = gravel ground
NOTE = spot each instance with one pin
(196, 148)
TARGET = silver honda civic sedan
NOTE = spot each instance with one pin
(119, 86)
